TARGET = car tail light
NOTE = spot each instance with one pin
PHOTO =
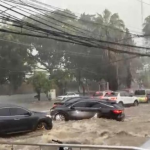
(146, 98)
(54, 105)
(113, 98)
(117, 111)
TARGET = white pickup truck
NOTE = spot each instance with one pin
(123, 98)
(68, 95)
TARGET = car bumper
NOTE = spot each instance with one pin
(60, 98)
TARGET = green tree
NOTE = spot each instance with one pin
(41, 83)
(83, 62)
(14, 62)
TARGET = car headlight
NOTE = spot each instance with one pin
(49, 116)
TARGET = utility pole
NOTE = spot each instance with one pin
(142, 12)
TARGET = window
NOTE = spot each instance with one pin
(127, 94)
(139, 92)
(122, 94)
(98, 94)
(85, 104)
(4, 112)
(18, 111)
(97, 105)
(111, 94)
(81, 104)
(70, 94)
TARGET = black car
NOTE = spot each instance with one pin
(69, 100)
(88, 108)
(14, 119)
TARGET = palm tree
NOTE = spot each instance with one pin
(110, 28)
(146, 25)
(109, 24)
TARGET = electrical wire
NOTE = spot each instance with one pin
(76, 17)
(78, 41)
(84, 37)
(100, 41)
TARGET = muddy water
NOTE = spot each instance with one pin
(134, 131)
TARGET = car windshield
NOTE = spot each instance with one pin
(98, 94)
(70, 93)
(111, 94)
(139, 92)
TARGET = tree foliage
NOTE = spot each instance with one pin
(78, 61)
(41, 83)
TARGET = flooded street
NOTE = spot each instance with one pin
(134, 131)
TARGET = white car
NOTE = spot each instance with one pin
(68, 95)
(123, 98)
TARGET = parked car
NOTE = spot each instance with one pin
(101, 94)
(123, 98)
(143, 95)
(68, 95)
(14, 119)
(88, 108)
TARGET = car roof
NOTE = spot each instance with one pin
(96, 100)
(9, 105)
(75, 100)
(92, 100)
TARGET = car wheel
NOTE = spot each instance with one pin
(121, 104)
(60, 117)
(120, 119)
(48, 127)
(99, 115)
(136, 103)
(41, 126)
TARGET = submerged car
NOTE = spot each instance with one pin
(68, 100)
(88, 108)
(15, 119)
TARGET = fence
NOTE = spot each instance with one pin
(76, 146)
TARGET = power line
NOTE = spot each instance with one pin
(33, 19)
(77, 17)
(84, 44)
(105, 65)
(143, 2)
(101, 41)
(82, 38)
(41, 23)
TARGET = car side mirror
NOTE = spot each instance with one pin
(29, 113)
(71, 107)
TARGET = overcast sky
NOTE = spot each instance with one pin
(129, 10)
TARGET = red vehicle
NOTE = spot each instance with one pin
(101, 94)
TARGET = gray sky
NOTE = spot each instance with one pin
(129, 10)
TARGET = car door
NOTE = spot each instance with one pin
(123, 97)
(22, 119)
(81, 110)
(130, 98)
(6, 121)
